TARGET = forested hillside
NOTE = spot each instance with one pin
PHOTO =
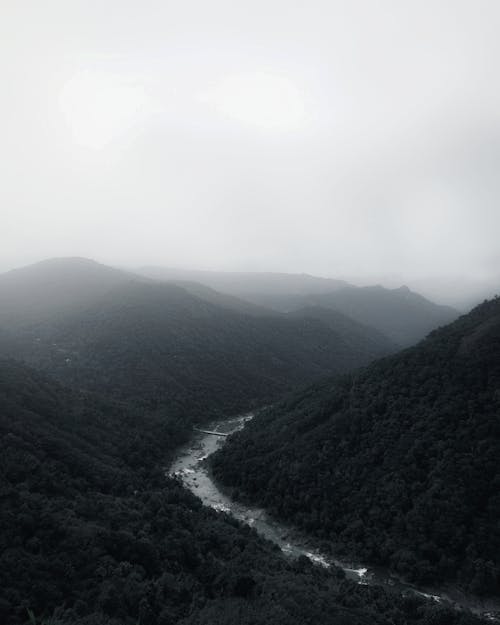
(52, 288)
(93, 533)
(358, 336)
(161, 347)
(401, 315)
(397, 464)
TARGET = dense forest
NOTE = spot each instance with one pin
(397, 464)
(157, 346)
(358, 336)
(93, 533)
(190, 350)
(92, 530)
(400, 314)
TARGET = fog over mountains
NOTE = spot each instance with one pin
(402, 315)
(183, 346)
(187, 348)
(103, 375)
(249, 314)
(65, 285)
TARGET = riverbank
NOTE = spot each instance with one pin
(191, 467)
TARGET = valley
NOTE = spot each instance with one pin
(250, 312)
(132, 492)
(396, 463)
(192, 466)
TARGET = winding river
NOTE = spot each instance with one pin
(190, 467)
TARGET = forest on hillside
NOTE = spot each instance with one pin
(158, 347)
(397, 464)
(94, 533)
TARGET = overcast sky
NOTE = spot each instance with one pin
(354, 138)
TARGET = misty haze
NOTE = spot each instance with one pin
(250, 313)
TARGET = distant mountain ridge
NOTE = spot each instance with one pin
(54, 286)
(248, 285)
(178, 348)
(224, 300)
(401, 315)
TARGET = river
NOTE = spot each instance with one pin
(190, 466)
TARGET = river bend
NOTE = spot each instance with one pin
(190, 467)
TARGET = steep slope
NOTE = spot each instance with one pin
(93, 532)
(54, 287)
(159, 346)
(398, 464)
(358, 336)
(224, 300)
(403, 316)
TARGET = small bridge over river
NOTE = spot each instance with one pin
(209, 432)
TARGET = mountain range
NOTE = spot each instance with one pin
(185, 349)
(400, 314)
(123, 365)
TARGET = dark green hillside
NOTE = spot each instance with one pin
(358, 337)
(400, 314)
(54, 287)
(92, 533)
(398, 463)
(159, 346)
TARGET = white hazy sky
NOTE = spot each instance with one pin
(354, 138)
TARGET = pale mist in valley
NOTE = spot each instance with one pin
(250, 312)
